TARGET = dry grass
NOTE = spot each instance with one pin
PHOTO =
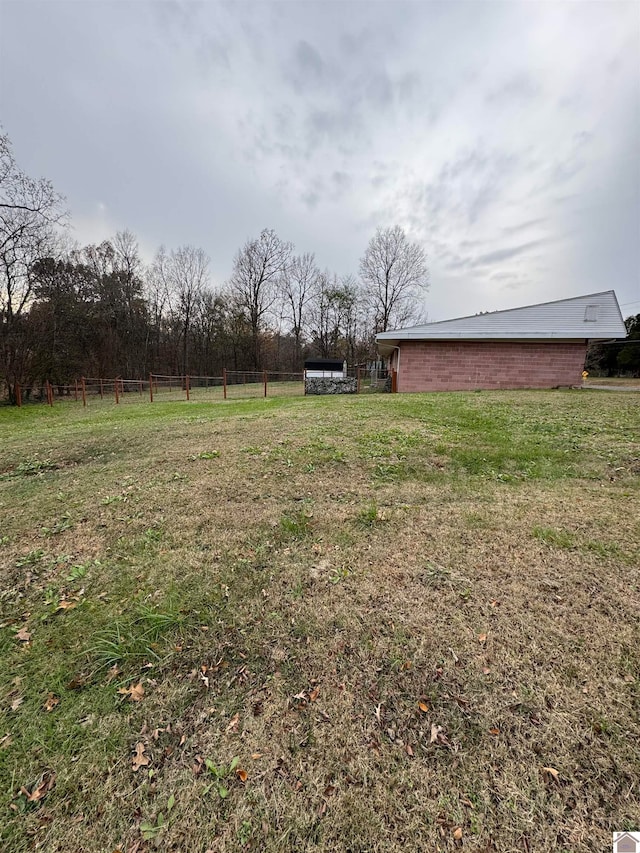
(412, 619)
(613, 381)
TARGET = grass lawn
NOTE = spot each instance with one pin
(326, 624)
(613, 382)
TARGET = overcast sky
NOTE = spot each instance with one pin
(504, 137)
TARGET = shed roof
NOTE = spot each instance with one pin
(595, 316)
(319, 363)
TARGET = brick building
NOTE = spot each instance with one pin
(537, 346)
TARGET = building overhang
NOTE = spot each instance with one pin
(386, 346)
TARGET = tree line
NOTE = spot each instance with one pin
(100, 311)
(619, 357)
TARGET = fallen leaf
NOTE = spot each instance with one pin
(52, 701)
(139, 759)
(457, 833)
(551, 772)
(6, 741)
(485, 670)
(16, 703)
(41, 791)
(66, 605)
(233, 725)
(423, 707)
(409, 750)
(256, 755)
(23, 635)
(134, 691)
(494, 731)
(482, 638)
(241, 774)
(435, 731)
(314, 694)
(113, 671)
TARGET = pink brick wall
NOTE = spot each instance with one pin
(470, 365)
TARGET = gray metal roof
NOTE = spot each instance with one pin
(595, 316)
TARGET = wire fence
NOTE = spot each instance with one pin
(232, 385)
(372, 379)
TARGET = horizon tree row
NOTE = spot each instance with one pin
(98, 310)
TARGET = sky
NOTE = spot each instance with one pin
(504, 137)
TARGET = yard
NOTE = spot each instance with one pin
(363, 624)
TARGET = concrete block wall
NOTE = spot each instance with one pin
(473, 365)
(325, 385)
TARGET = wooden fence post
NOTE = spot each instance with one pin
(115, 387)
(359, 382)
(187, 386)
(140, 387)
(75, 381)
(18, 395)
(49, 393)
(84, 392)
(224, 382)
(101, 390)
(151, 387)
(264, 378)
(394, 381)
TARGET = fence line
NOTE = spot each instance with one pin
(232, 384)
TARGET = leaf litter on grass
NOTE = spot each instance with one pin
(502, 685)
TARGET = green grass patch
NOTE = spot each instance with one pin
(332, 624)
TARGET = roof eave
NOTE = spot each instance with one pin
(520, 336)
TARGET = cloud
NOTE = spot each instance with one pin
(309, 60)
(502, 137)
(491, 258)
(523, 226)
(519, 88)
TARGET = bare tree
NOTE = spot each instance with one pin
(393, 271)
(257, 270)
(337, 317)
(299, 286)
(181, 277)
(30, 210)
